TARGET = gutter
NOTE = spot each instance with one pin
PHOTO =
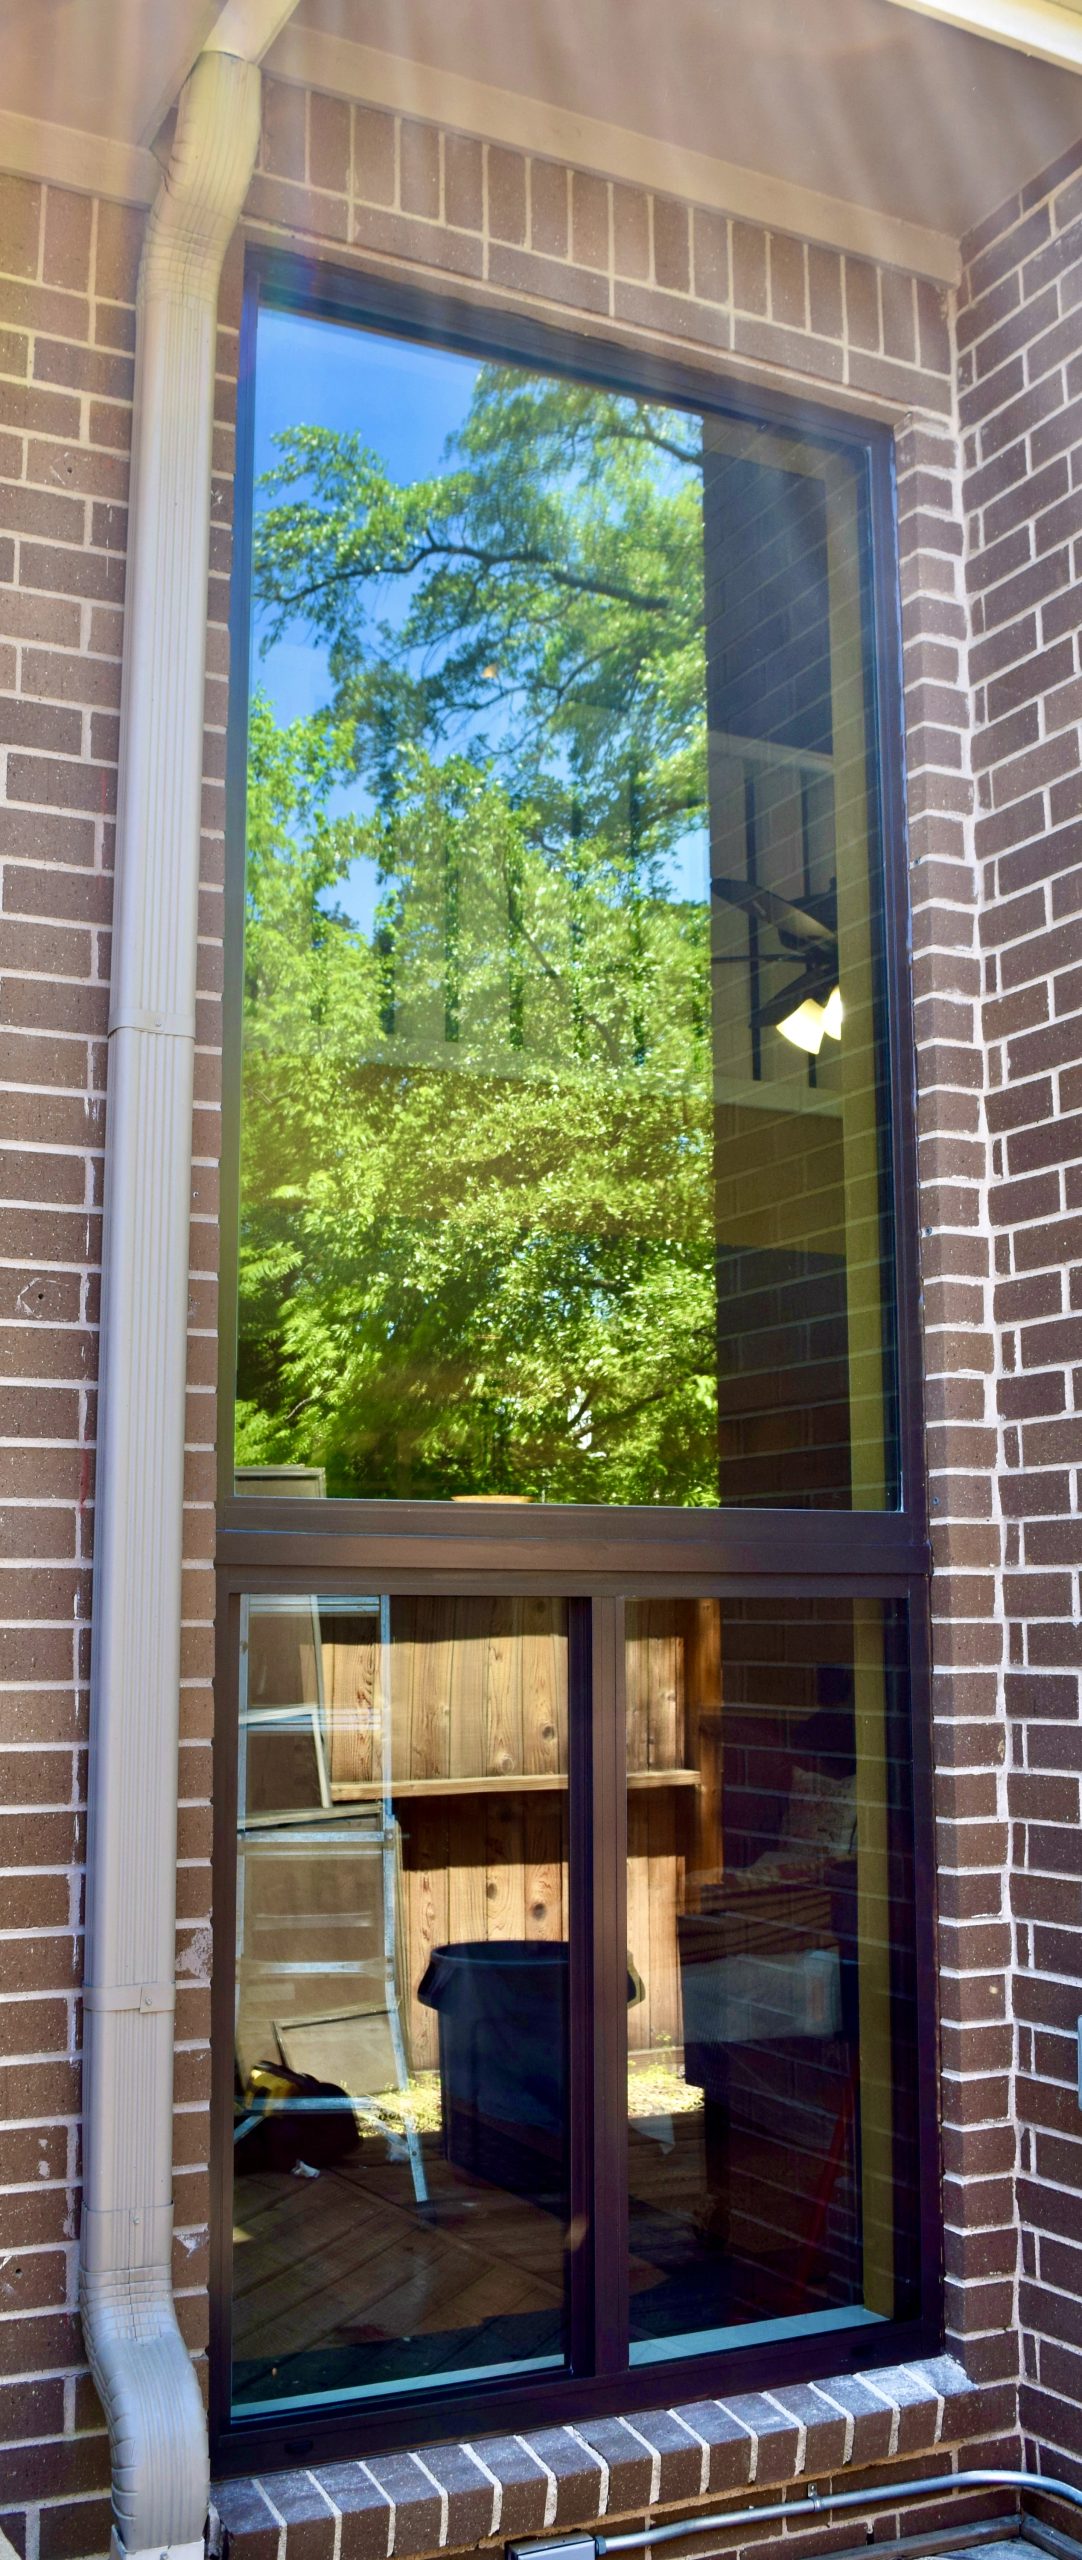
(143, 2371)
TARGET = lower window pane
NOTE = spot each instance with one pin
(401, 2203)
(772, 2063)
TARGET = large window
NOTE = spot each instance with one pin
(571, 1797)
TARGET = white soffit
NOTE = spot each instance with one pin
(106, 68)
(85, 84)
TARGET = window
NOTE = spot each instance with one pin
(573, 1796)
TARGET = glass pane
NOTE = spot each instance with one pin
(772, 2061)
(401, 2208)
(563, 1123)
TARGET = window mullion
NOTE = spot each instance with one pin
(598, 1987)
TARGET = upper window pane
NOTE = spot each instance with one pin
(563, 1145)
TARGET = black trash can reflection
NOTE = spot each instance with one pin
(502, 2009)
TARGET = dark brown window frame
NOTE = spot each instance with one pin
(594, 1556)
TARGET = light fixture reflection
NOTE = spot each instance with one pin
(808, 1022)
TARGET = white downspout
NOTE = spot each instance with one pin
(141, 2366)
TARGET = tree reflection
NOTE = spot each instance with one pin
(477, 1250)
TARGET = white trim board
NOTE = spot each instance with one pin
(94, 164)
(1051, 30)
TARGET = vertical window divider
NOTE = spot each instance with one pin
(598, 2007)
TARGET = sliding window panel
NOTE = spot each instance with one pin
(401, 2190)
(772, 2071)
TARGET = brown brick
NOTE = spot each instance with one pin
(415, 2502)
(70, 2531)
(20, 226)
(899, 319)
(749, 268)
(672, 262)
(61, 785)
(671, 315)
(117, 251)
(629, 2465)
(902, 384)
(53, 675)
(788, 286)
(766, 343)
(506, 195)
(589, 220)
(365, 2511)
(463, 180)
(40, 724)
(394, 235)
(114, 326)
(1007, 249)
(710, 234)
(471, 2498)
(282, 204)
(15, 359)
(522, 2481)
(45, 308)
(549, 190)
(68, 226)
(47, 413)
(521, 272)
(328, 143)
(729, 2445)
(249, 2521)
(305, 2512)
(70, 572)
(776, 2435)
(373, 155)
(29, 617)
(284, 146)
(631, 233)
(862, 304)
(825, 291)
(419, 155)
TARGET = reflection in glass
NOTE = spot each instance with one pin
(401, 2209)
(771, 2073)
(563, 1107)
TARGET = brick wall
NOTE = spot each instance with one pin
(393, 193)
(1020, 376)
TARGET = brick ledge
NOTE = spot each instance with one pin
(455, 2498)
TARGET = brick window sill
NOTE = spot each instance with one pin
(453, 2498)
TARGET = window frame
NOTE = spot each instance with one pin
(595, 1556)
